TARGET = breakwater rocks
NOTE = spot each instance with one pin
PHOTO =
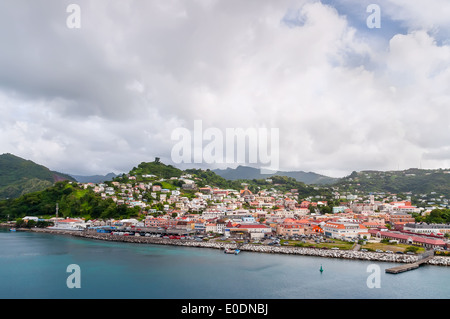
(305, 251)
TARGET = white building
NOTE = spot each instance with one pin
(341, 230)
(428, 229)
(69, 224)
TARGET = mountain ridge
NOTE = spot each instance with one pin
(415, 180)
(19, 176)
(247, 172)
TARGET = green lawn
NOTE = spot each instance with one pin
(392, 247)
(335, 243)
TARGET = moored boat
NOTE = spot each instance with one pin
(232, 251)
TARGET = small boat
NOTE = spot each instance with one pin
(231, 251)
(12, 229)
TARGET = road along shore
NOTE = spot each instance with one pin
(330, 253)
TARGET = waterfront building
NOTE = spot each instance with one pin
(129, 222)
(424, 228)
(342, 230)
(290, 227)
(252, 231)
(151, 221)
(410, 239)
(69, 224)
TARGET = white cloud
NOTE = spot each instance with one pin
(107, 96)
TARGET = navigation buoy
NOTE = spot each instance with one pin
(321, 269)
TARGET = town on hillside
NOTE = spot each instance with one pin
(268, 216)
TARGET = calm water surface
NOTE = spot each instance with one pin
(34, 265)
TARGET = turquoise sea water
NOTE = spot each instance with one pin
(34, 265)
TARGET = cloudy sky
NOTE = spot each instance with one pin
(108, 95)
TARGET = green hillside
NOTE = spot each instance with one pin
(416, 181)
(157, 168)
(73, 201)
(19, 176)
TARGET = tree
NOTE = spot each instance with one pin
(413, 249)
(20, 222)
(31, 223)
(325, 210)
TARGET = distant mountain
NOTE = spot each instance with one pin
(19, 176)
(414, 180)
(245, 172)
(94, 178)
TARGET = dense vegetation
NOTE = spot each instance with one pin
(19, 176)
(156, 168)
(436, 216)
(73, 201)
(416, 181)
(209, 178)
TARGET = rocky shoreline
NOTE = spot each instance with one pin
(328, 253)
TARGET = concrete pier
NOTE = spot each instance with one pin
(407, 267)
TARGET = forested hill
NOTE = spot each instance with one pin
(19, 176)
(416, 181)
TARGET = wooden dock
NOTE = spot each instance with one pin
(406, 267)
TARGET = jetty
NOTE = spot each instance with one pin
(423, 259)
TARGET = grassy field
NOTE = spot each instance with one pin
(334, 243)
(392, 247)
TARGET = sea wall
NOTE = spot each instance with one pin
(305, 251)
